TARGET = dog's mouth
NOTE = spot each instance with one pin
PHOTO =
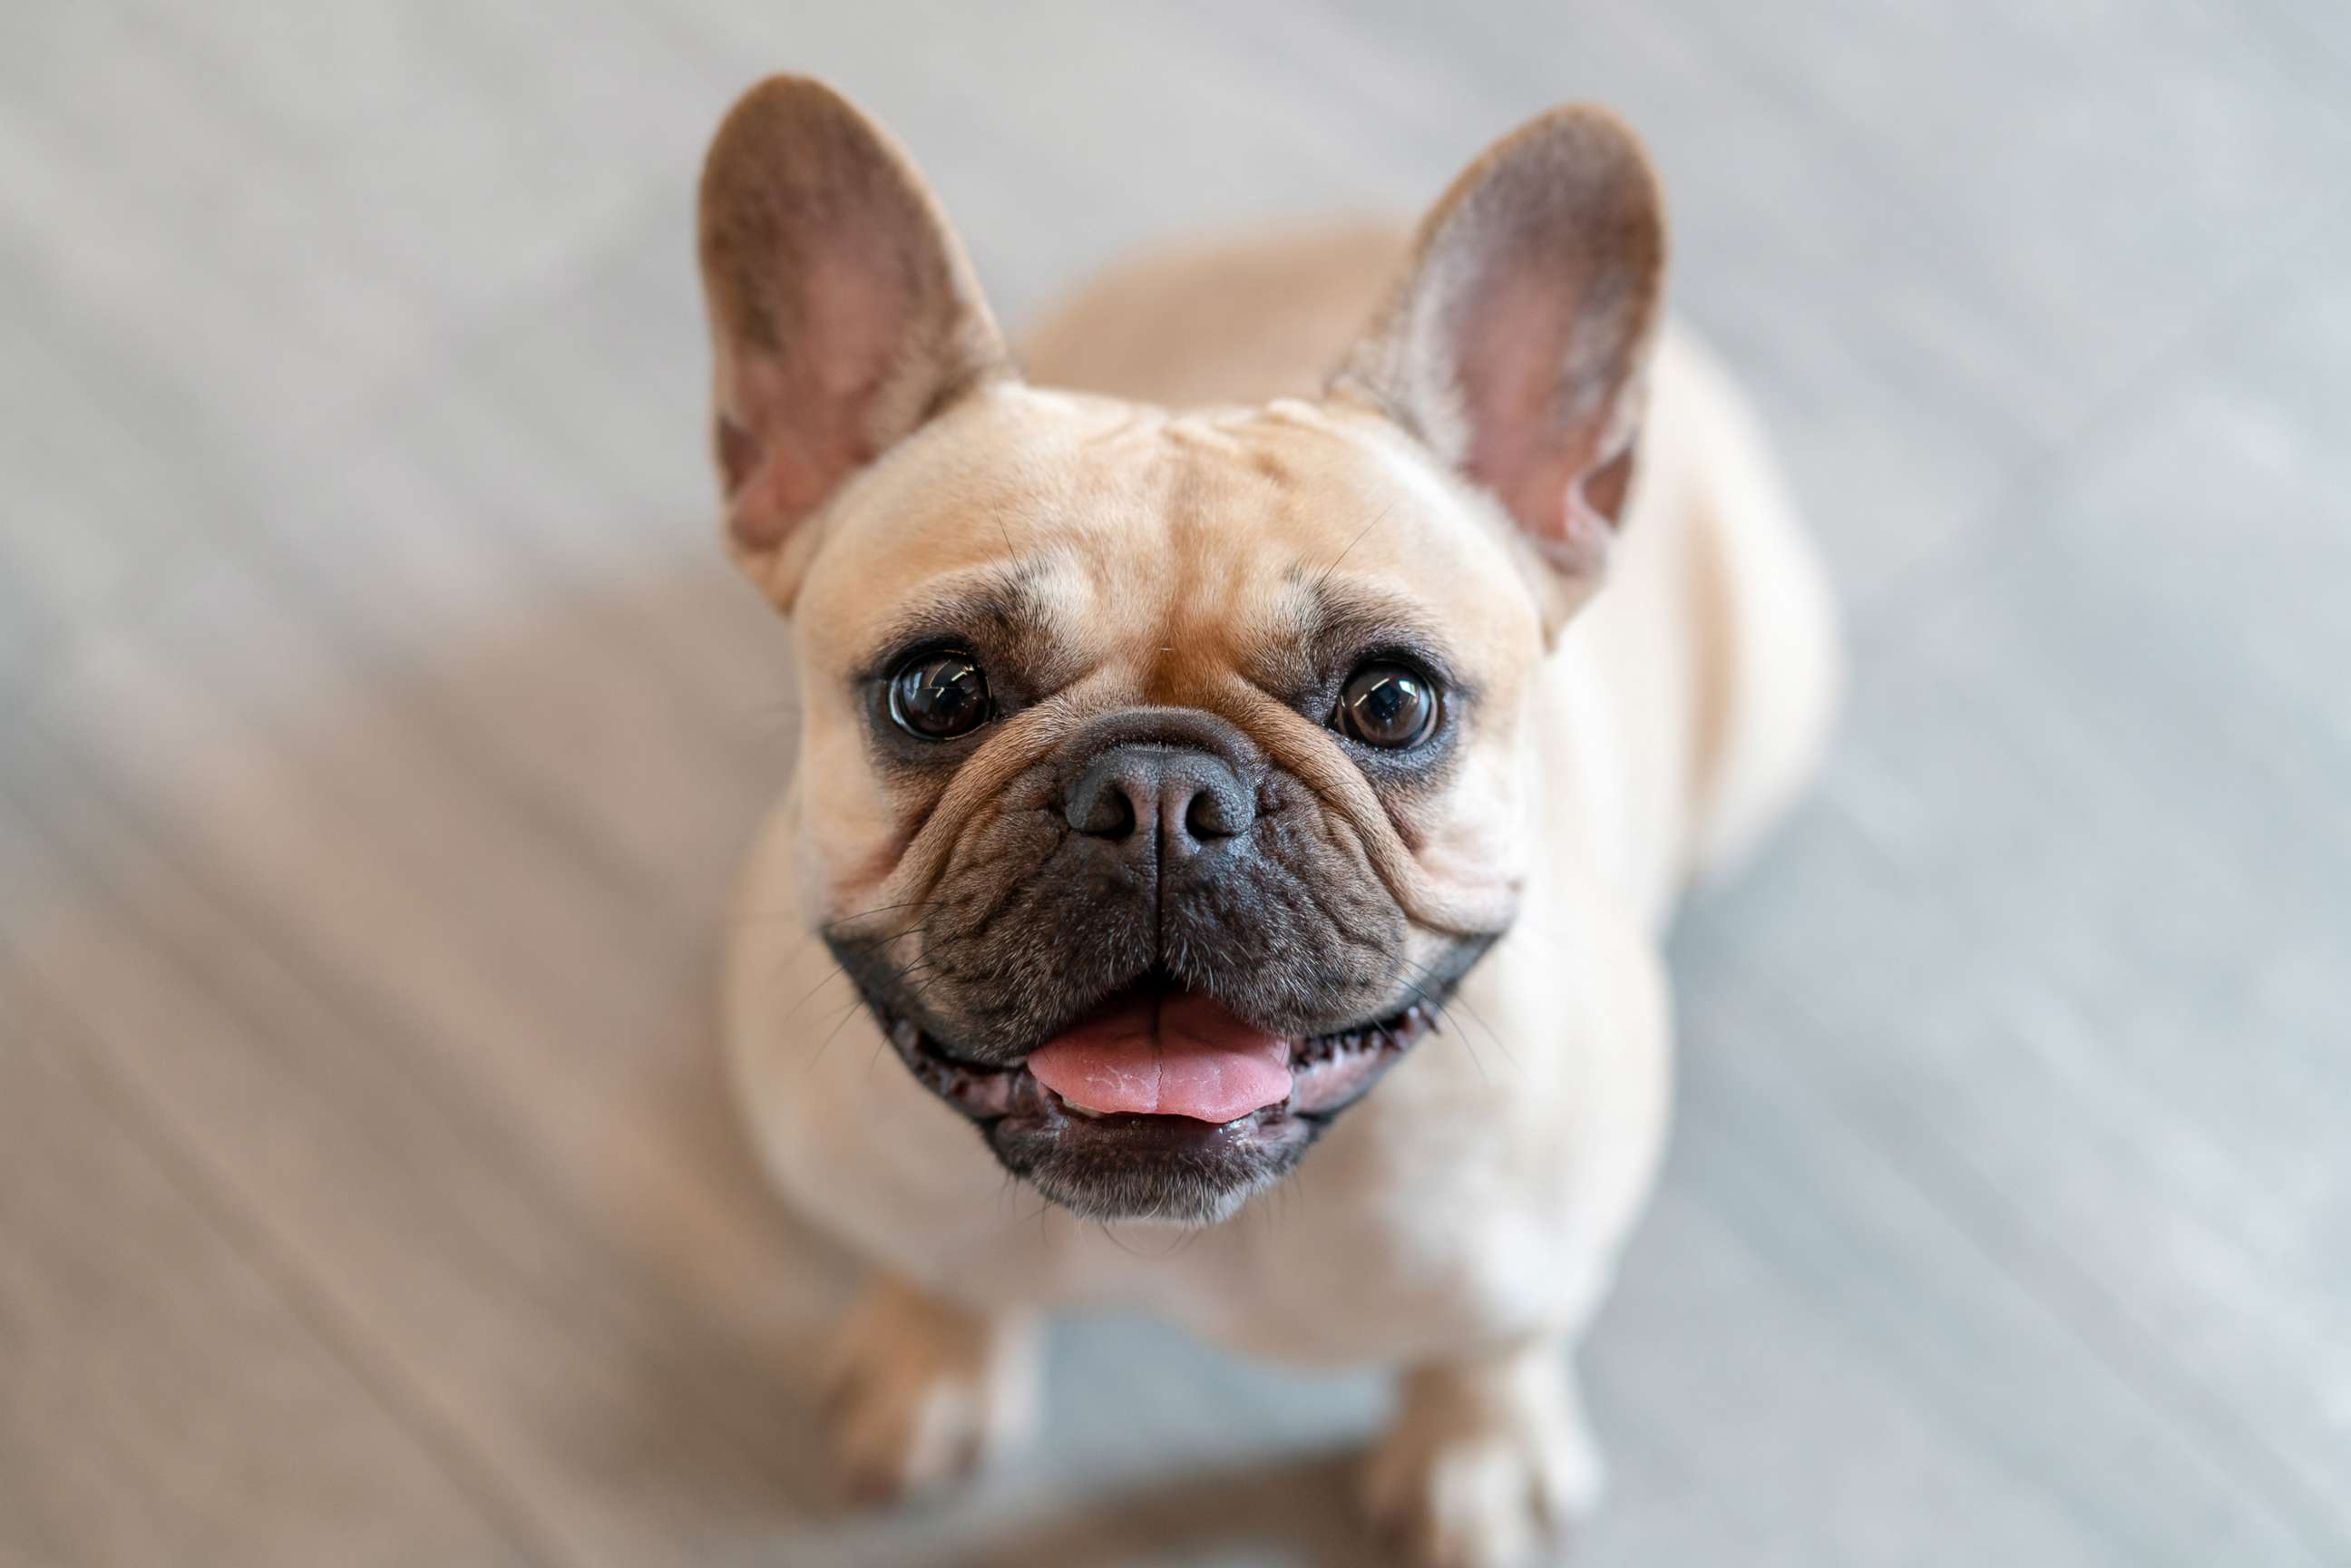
(1162, 1102)
(1156, 1052)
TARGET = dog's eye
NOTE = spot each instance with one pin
(1387, 705)
(940, 695)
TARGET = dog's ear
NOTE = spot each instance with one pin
(843, 313)
(1517, 344)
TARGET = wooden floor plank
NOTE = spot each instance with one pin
(162, 1399)
(625, 1355)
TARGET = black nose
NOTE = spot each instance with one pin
(1147, 793)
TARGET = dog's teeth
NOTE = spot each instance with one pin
(1088, 1111)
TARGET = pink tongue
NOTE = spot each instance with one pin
(1168, 1056)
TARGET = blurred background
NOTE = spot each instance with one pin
(379, 728)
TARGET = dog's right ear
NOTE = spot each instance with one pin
(1517, 344)
(843, 314)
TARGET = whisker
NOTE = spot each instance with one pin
(1491, 1033)
(839, 1024)
(877, 909)
(1443, 1010)
(836, 973)
(1323, 581)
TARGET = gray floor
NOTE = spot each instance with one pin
(380, 726)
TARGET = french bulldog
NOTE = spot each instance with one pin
(1249, 748)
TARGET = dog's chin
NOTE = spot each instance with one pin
(1160, 1167)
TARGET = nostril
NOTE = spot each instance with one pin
(1210, 815)
(1103, 811)
(1114, 818)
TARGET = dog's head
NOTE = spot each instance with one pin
(1162, 773)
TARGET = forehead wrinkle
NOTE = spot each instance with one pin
(1209, 552)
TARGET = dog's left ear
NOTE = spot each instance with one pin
(1517, 344)
(843, 313)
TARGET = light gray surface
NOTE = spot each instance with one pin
(381, 727)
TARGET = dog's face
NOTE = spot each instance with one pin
(1215, 714)
(1161, 773)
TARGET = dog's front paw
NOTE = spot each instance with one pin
(1488, 1465)
(921, 1393)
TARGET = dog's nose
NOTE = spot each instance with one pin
(1148, 793)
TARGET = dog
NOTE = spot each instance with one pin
(1260, 767)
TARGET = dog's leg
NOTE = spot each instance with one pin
(1488, 1462)
(921, 1392)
